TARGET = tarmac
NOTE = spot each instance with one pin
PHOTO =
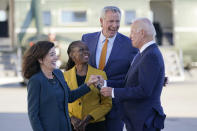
(179, 100)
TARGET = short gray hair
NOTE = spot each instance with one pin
(110, 8)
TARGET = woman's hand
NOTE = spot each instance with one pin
(75, 122)
(101, 81)
(92, 80)
(84, 122)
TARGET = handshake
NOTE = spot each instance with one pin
(99, 82)
(96, 80)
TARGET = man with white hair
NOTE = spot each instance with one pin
(140, 97)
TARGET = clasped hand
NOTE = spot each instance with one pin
(98, 80)
(95, 80)
(79, 125)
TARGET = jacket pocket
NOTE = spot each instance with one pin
(150, 119)
(159, 118)
(155, 118)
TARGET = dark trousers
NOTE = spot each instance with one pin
(97, 126)
(114, 124)
(144, 129)
(150, 129)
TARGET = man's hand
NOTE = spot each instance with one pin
(106, 91)
(75, 122)
(165, 81)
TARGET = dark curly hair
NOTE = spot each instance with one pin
(70, 63)
(30, 64)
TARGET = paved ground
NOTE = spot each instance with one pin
(179, 101)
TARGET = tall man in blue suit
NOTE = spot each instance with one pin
(140, 97)
(117, 57)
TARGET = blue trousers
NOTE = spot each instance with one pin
(114, 125)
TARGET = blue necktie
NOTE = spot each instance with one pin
(135, 58)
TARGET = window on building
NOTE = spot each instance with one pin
(46, 18)
(73, 16)
(130, 15)
(4, 32)
(3, 16)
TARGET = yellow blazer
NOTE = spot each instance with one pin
(93, 103)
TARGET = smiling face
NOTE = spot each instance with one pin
(80, 54)
(110, 23)
(137, 35)
(49, 61)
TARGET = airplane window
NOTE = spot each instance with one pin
(73, 16)
(46, 18)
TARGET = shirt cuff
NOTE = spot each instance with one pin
(112, 93)
(105, 83)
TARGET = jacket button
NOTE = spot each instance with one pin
(79, 103)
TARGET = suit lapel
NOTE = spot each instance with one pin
(133, 63)
(138, 57)
(59, 79)
(94, 44)
(88, 73)
(62, 84)
(73, 78)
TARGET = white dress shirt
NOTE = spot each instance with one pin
(141, 50)
(146, 45)
(100, 44)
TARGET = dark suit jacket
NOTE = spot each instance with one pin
(118, 63)
(140, 99)
(42, 104)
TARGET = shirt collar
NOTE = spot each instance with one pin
(146, 45)
(102, 38)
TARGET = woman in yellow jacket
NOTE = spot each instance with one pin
(88, 112)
